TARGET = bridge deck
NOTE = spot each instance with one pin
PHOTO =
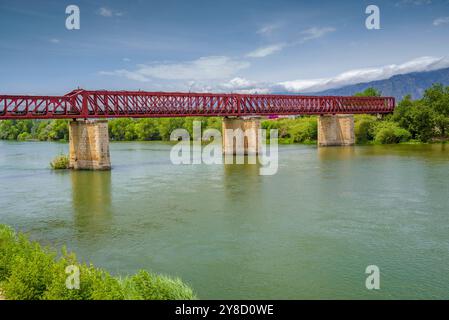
(140, 104)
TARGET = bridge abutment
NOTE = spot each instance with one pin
(89, 145)
(240, 136)
(336, 130)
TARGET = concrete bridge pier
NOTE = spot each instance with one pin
(89, 145)
(240, 136)
(336, 130)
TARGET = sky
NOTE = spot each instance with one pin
(255, 46)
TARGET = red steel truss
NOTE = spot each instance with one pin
(139, 104)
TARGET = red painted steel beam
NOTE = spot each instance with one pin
(140, 104)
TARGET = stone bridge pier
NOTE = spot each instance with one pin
(89, 145)
(240, 136)
(336, 130)
(89, 139)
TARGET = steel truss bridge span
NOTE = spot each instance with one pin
(140, 104)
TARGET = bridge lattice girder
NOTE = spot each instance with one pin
(139, 104)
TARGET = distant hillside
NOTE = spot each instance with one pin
(397, 86)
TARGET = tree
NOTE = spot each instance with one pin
(168, 125)
(416, 117)
(59, 130)
(369, 92)
(122, 129)
(389, 132)
(422, 124)
(8, 130)
(441, 124)
(363, 128)
(402, 112)
(437, 98)
(147, 129)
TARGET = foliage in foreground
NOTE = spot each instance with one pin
(60, 162)
(29, 271)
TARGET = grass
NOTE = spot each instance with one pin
(29, 271)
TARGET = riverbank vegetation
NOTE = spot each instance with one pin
(423, 120)
(60, 162)
(29, 271)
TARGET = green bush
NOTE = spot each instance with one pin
(363, 128)
(95, 284)
(301, 130)
(59, 130)
(24, 136)
(146, 286)
(60, 162)
(8, 130)
(305, 130)
(387, 132)
(25, 267)
(30, 272)
(7, 251)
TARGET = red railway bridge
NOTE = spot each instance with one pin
(111, 104)
(89, 140)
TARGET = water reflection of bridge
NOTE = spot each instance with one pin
(91, 197)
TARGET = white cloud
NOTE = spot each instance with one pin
(238, 83)
(126, 74)
(404, 3)
(266, 51)
(54, 40)
(126, 59)
(242, 85)
(204, 68)
(363, 75)
(217, 74)
(315, 33)
(106, 12)
(309, 34)
(268, 29)
(254, 91)
(439, 21)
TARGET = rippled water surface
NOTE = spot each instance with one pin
(307, 232)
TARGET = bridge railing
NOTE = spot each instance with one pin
(110, 104)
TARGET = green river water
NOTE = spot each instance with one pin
(308, 231)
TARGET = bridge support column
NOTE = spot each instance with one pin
(336, 130)
(89, 145)
(240, 136)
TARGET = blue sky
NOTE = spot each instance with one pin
(233, 46)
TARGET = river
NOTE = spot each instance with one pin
(307, 232)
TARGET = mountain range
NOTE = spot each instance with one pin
(397, 86)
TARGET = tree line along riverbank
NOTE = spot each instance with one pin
(29, 271)
(423, 120)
